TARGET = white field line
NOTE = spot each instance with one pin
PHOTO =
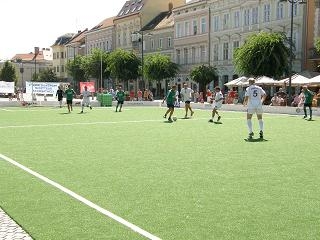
(82, 199)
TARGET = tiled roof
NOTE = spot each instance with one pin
(28, 56)
(108, 22)
(163, 20)
(131, 7)
(78, 37)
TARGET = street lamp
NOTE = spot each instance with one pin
(36, 52)
(292, 2)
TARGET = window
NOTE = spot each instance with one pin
(152, 43)
(225, 51)
(58, 69)
(246, 17)
(169, 42)
(124, 38)
(58, 55)
(187, 28)
(226, 21)
(280, 10)
(255, 15)
(160, 43)
(216, 23)
(178, 56)
(236, 44)
(193, 55)
(216, 52)
(195, 27)
(62, 68)
(266, 13)
(203, 25)
(236, 19)
(178, 30)
(186, 55)
(202, 53)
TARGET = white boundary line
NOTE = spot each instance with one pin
(83, 200)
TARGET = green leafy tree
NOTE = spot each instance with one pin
(204, 75)
(8, 72)
(158, 67)
(263, 54)
(317, 45)
(124, 65)
(95, 62)
(47, 75)
(76, 69)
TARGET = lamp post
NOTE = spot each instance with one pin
(101, 69)
(36, 52)
(292, 2)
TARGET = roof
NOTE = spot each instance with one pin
(164, 19)
(78, 37)
(131, 7)
(28, 56)
(62, 40)
(108, 22)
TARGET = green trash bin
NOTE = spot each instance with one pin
(106, 100)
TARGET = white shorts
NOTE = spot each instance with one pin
(253, 109)
(86, 102)
(216, 105)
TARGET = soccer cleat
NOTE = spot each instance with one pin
(81, 112)
(304, 117)
(185, 116)
(170, 120)
(219, 117)
(310, 119)
(211, 120)
(261, 134)
(165, 116)
(90, 107)
(192, 113)
(250, 135)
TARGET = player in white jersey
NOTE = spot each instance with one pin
(254, 98)
(85, 99)
(186, 98)
(217, 103)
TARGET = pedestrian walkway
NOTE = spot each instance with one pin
(10, 230)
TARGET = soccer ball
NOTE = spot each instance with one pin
(298, 110)
(174, 118)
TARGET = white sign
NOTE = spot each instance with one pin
(6, 87)
(42, 87)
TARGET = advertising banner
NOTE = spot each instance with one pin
(43, 87)
(6, 87)
(90, 86)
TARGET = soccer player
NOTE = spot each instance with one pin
(170, 98)
(254, 98)
(85, 99)
(186, 98)
(59, 94)
(69, 95)
(217, 103)
(120, 98)
(308, 98)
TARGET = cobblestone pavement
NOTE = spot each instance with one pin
(10, 230)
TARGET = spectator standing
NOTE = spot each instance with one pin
(139, 95)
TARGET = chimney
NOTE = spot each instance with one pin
(170, 6)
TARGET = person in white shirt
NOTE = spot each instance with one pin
(186, 95)
(217, 103)
(85, 98)
(254, 98)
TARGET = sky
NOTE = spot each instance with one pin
(38, 23)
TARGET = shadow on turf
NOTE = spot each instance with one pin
(256, 140)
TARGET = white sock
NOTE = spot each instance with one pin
(261, 124)
(249, 123)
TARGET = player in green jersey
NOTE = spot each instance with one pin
(69, 95)
(120, 95)
(308, 97)
(170, 98)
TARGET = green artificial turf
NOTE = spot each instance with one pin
(189, 179)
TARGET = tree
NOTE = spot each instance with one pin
(263, 54)
(204, 75)
(76, 69)
(158, 67)
(124, 65)
(8, 72)
(47, 75)
(94, 63)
